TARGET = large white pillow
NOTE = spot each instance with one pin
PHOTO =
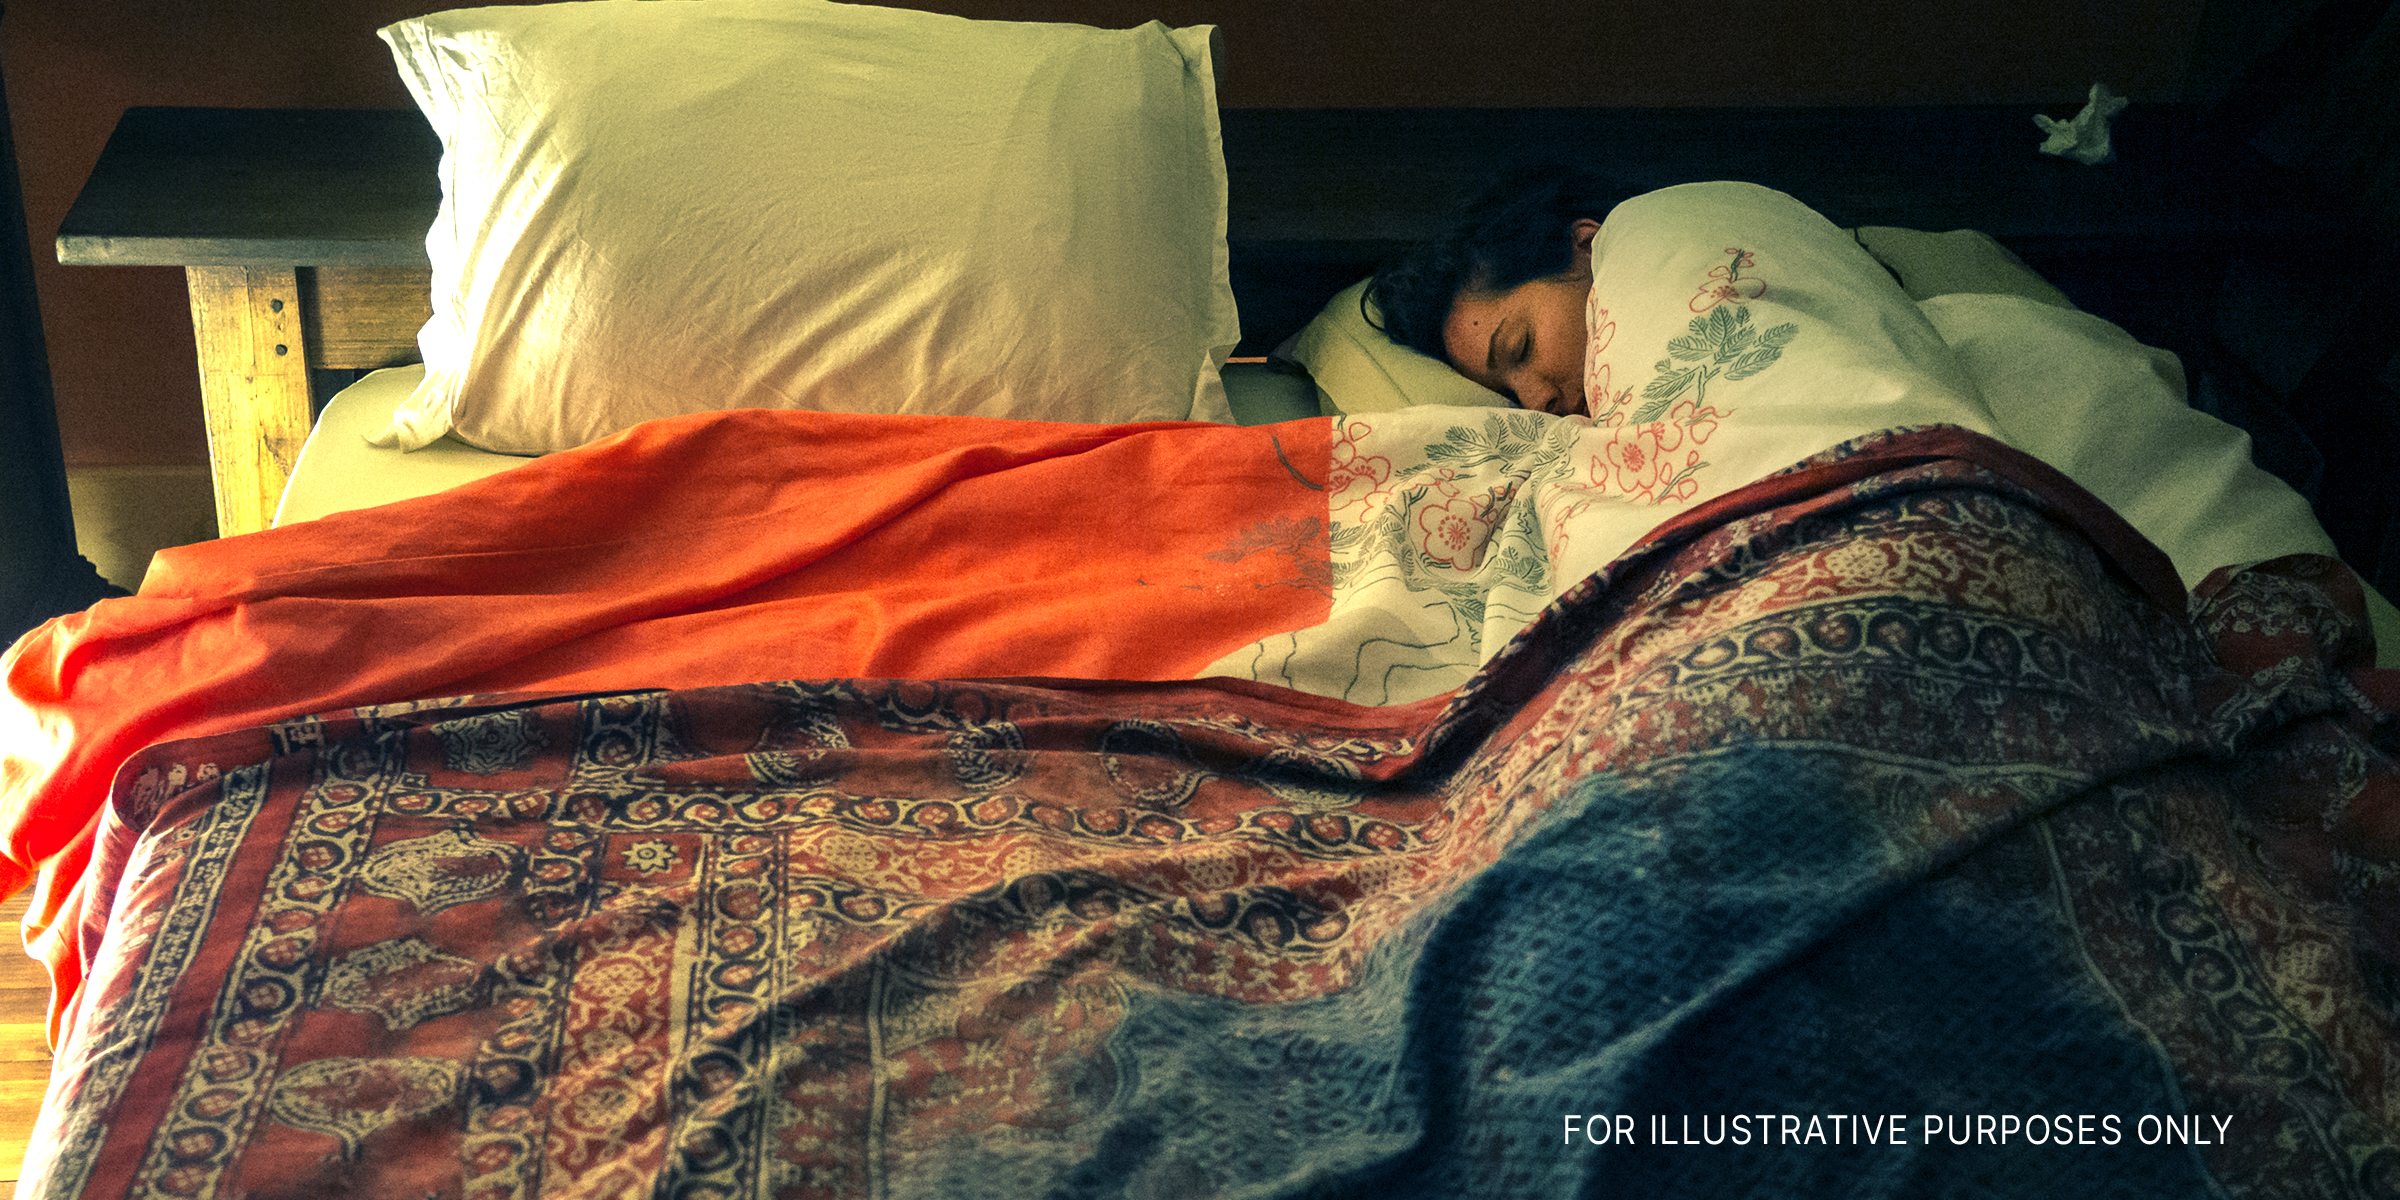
(656, 207)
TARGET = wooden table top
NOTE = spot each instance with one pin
(257, 186)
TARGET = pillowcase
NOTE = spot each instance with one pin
(1359, 370)
(657, 207)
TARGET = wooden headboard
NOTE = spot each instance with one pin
(302, 231)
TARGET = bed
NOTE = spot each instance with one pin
(1892, 746)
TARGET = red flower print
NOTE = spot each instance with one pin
(1728, 284)
(1559, 528)
(1356, 481)
(1739, 291)
(1455, 532)
(1598, 400)
(1634, 458)
(1700, 419)
(1605, 406)
(1667, 436)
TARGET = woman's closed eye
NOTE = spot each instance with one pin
(1511, 346)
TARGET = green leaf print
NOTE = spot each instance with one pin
(1722, 342)
(1503, 437)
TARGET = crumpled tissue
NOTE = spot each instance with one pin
(2084, 136)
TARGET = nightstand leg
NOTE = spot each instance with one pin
(254, 385)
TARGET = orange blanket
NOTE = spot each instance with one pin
(722, 548)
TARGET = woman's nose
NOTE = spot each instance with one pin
(1555, 400)
(1534, 392)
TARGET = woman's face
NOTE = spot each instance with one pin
(1527, 343)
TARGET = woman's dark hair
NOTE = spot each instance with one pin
(1518, 229)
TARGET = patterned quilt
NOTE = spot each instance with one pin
(1887, 828)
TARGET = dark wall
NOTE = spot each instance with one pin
(120, 340)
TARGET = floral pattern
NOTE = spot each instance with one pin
(1722, 343)
(1653, 453)
(651, 857)
(2051, 847)
(1452, 514)
(1456, 532)
(1596, 382)
(1355, 481)
(1447, 534)
(1727, 283)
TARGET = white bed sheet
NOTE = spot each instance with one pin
(338, 471)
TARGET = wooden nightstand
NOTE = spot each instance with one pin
(284, 221)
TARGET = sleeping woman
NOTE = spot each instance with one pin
(1502, 297)
(1715, 332)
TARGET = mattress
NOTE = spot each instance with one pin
(339, 471)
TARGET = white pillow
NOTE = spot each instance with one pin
(656, 207)
(1962, 260)
(1358, 369)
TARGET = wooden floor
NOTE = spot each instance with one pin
(24, 1048)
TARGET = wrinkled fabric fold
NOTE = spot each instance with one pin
(721, 548)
